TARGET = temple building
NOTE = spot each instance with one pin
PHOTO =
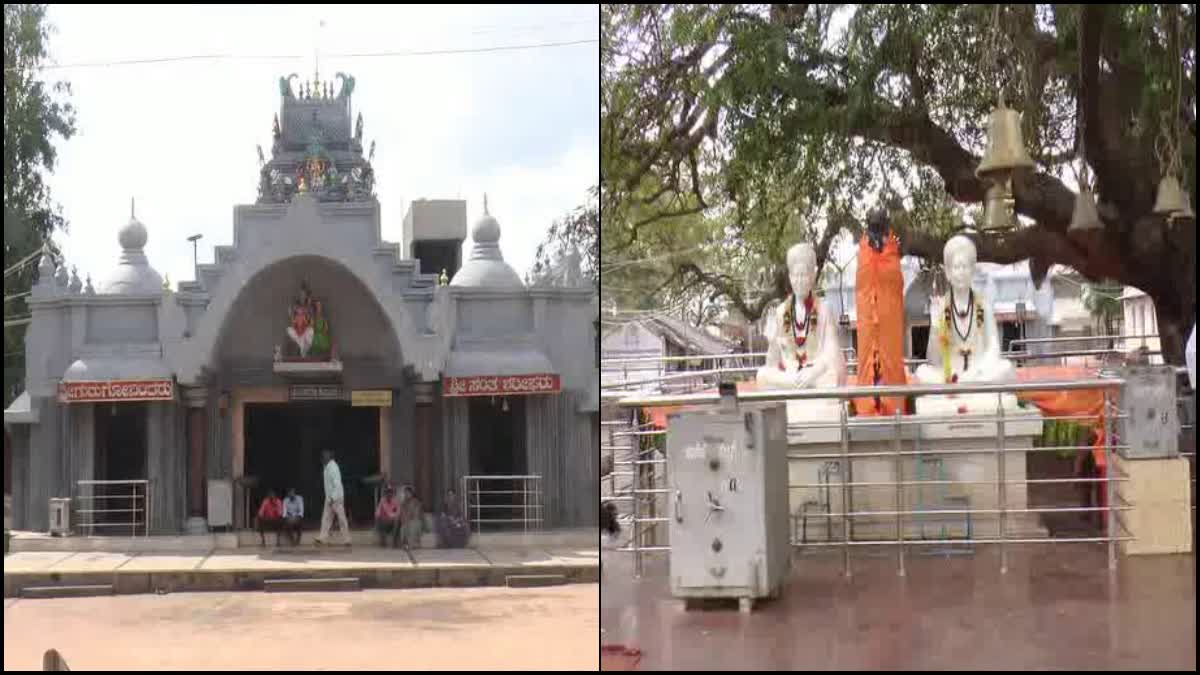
(310, 332)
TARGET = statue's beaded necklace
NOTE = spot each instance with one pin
(950, 320)
(801, 328)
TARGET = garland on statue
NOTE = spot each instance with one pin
(800, 329)
(948, 324)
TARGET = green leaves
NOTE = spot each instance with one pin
(34, 114)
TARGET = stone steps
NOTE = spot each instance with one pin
(316, 584)
(67, 591)
(534, 580)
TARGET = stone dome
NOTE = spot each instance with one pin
(133, 235)
(485, 267)
(134, 275)
(486, 229)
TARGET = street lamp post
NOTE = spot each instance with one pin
(195, 259)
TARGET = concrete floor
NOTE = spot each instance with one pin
(434, 629)
(1055, 609)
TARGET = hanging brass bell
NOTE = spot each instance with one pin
(998, 210)
(1085, 216)
(1170, 196)
(1005, 144)
(1186, 211)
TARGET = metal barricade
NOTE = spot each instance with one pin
(113, 498)
(894, 453)
(486, 499)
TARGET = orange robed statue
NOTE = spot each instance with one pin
(879, 294)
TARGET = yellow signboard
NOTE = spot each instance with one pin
(381, 399)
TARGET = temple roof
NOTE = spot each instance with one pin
(315, 146)
(134, 275)
(485, 268)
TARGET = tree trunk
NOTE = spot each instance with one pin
(1172, 334)
(1175, 310)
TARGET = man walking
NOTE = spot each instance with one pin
(335, 498)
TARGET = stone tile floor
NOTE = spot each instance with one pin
(1056, 608)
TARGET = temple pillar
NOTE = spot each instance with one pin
(196, 400)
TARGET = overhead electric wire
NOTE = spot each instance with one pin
(431, 52)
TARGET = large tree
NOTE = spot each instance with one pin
(576, 232)
(34, 115)
(729, 131)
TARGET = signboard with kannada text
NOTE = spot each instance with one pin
(501, 385)
(316, 392)
(116, 390)
(380, 399)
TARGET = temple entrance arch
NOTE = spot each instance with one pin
(281, 413)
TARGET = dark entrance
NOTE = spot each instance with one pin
(497, 449)
(920, 342)
(283, 449)
(120, 438)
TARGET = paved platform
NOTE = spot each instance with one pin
(23, 541)
(1057, 608)
(242, 569)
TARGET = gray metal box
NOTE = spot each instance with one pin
(729, 502)
(220, 503)
(1150, 427)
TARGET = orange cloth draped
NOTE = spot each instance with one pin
(1087, 403)
(879, 293)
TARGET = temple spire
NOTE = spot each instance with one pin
(485, 211)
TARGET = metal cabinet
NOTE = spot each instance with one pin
(1150, 427)
(729, 502)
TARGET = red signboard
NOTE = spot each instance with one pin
(501, 385)
(116, 390)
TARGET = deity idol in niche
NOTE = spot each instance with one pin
(300, 321)
(321, 343)
(964, 340)
(879, 295)
(802, 348)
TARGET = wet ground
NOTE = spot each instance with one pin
(1056, 608)
(434, 629)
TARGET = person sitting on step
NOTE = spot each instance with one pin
(293, 516)
(387, 518)
(270, 517)
(411, 516)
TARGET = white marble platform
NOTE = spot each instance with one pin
(940, 439)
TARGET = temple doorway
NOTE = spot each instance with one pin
(497, 449)
(283, 449)
(121, 444)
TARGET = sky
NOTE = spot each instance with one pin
(179, 137)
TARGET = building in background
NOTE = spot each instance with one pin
(638, 351)
(1140, 320)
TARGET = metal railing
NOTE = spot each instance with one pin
(1003, 510)
(503, 501)
(110, 496)
(1080, 338)
(700, 378)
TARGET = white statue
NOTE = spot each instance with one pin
(964, 340)
(1190, 354)
(802, 349)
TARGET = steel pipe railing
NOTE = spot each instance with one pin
(904, 514)
(84, 494)
(529, 505)
(1081, 338)
(899, 390)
